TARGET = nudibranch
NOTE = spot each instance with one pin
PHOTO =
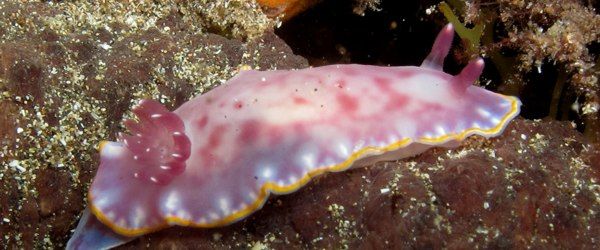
(215, 160)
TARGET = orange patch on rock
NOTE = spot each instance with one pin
(288, 8)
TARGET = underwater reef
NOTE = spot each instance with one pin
(70, 72)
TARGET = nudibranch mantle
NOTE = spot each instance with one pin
(216, 159)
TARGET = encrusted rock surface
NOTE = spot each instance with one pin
(68, 78)
(536, 186)
(69, 73)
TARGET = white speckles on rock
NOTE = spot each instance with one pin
(104, 46)
(16, 165)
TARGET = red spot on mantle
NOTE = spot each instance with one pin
(340, 83)
(214, 140)
(300, 100)
(202, 122)
(349, 71)
(384, 84)
(397, 101)
(238, 105)
(430, 108)
(347, 102)
(249, 131)
(433, 106)
(405, 73)
(277, 134)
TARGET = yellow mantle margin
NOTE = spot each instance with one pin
(271, 187)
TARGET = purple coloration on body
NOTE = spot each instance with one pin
(216, 159)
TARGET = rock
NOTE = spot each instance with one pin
(67, 80)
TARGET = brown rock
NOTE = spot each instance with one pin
(67, 80)
(22, 69)
(535, 186)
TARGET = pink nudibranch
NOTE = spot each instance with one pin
(216, 159)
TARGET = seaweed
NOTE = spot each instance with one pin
(472, 36)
